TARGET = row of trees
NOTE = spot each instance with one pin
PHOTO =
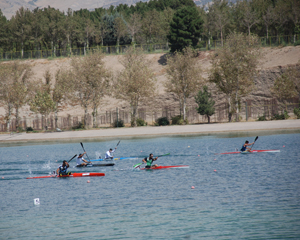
(156, 21)
(87, 81)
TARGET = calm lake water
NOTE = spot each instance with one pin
(236, 196)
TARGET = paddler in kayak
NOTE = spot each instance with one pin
(245, 148)
(149, 160)
(62, 170)
(81, 161)
(108, 155)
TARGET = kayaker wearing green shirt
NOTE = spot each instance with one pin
(149, 160)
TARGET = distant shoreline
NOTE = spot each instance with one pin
(235, 128)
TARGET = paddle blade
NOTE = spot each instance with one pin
(118, 143)
(137, 165)
(72, 158)
(256, 138)
(164, 155)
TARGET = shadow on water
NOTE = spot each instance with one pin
(235, 134)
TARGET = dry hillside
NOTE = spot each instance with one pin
(272, 63)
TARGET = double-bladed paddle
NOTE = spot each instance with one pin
(253, 143)
(72, 158)
(139, 164)
(84, 150)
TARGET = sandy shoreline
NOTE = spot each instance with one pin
(152, 131)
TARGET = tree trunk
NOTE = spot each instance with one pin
(8, 117)
(118, 44)
(95, 117)
(221, 38)
(133, 115)
(184, 108)
(55, 116)
(85, 117)
(22, 50)
(229, 109)
(17, 119)
(237, 106)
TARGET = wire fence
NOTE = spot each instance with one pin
(147, 48)
(248, 112)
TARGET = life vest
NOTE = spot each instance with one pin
(244, 148)
(149, 161)
(63, 169)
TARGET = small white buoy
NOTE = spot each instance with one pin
(188, 146)
(36, 201)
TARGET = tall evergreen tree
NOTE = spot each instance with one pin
(185, 29)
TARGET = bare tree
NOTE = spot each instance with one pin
(136, 82)
(184, 76)
(91, 81)
(218, 13)
(250, 17)
(120, 29)
(42, 101)
(6, 96)
(61, 91)
(150, 24)
(234, 67)
(21, 73)
(134, 25)
(268, 18)
(102, 30)
(294, 15)
(14, 78)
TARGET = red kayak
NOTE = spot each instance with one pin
(252, 151)
(164, 167)
(72, 175)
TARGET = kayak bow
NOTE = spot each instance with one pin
(165, 167)
(96, 165)
(252, 151)
(121, 158)
(72, 175)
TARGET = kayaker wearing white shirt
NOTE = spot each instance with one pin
(109, 152)
(81, 161)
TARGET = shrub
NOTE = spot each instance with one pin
(297, 112)
(297, 43)
(118, 123)
(177, 120)
(140, 122)
(281, 116)
(163, 121)
(262, 118)
(29, 129)
(80, 125)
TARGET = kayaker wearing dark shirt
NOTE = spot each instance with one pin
(245, 148)
(149, 160)
(62, 170)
